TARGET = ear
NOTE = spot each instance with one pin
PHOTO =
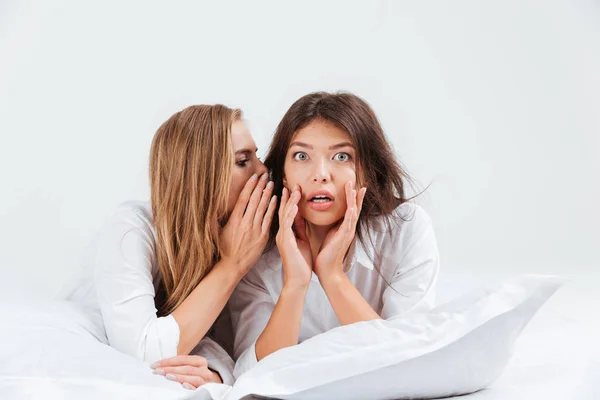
(285, 182)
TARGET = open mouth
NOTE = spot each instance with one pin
(320, 199)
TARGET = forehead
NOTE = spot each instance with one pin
(319, 132)
(241, 137)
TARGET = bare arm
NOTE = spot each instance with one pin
(346, 300)
(242, 242)
(283, 327)
(197, 313)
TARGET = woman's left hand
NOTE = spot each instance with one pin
(190, 371)
(330, 259)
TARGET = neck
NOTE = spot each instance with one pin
(316, 235)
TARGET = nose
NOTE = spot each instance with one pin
(260, 169)
(321, 173)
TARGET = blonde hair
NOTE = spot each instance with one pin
(191, 163)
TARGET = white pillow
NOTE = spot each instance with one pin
(49, 350)
(458, 348)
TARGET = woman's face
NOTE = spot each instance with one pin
(246, 163)
(321, 160)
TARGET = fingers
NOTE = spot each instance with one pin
(288, 219)
(300, 227)
(348, 190)
(350, 204)
(190, 371)
(242, 201)
(354, 198)
(354, 202)
(187, 370)
(255, 199)
(285, 195)
(296, 195)
(266, 223)
(262, 206)
(191, 380)
(288, 202)
(361, 196)
(292, 207)
(195, 361)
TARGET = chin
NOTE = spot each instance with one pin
(321, 218)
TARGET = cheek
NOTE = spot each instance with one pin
(290, 175)
(346, 174)
(237, 184)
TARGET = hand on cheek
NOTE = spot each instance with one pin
(292, 241)
(330, 260)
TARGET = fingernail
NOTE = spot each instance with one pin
(158, 372)
(187, 386)
(171, 377)
(154, 365)
(270, 185)
(254, 177)
(264, 177)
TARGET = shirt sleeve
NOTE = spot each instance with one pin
(412, 286)
(251, 307)
(217, 359)
(124, 286)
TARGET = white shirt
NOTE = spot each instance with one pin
(117, 287)
(400, 279)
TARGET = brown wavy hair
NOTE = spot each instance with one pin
(377, 167)
(191, 162)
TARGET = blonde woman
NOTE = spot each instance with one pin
(159, 274)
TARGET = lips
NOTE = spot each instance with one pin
(320, 200)
(320, 195)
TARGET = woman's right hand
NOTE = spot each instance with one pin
(246, 233)
(191, 371)
(294, 247)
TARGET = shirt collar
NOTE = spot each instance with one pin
(358, 254)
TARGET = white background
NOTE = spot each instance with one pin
(495, 104)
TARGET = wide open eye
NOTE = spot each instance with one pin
(343, 157)
(300, 156)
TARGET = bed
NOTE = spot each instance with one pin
(48, 351)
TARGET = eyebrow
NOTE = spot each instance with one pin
(334, 147)
(246, 151)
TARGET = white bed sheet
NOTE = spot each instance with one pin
(554, 359)
(557, 356)
(47, 352)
